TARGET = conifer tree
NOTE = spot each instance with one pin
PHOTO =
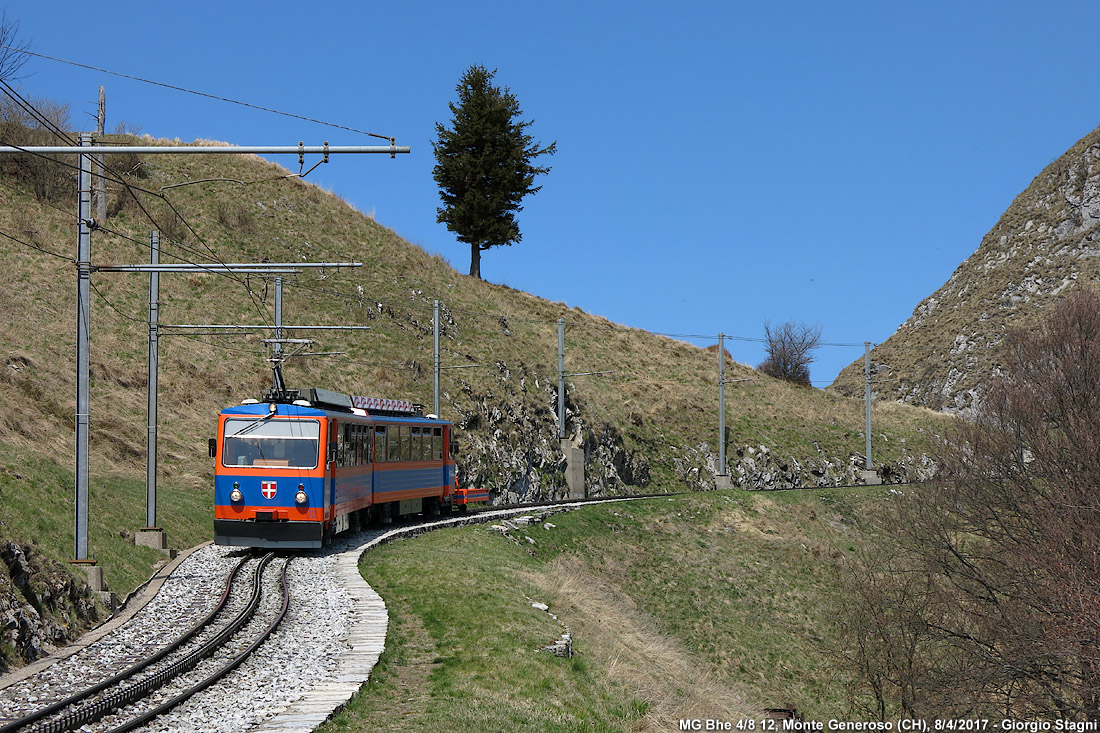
(484, 165)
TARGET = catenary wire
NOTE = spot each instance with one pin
(200, 94)
(35, 246)
(42, 119)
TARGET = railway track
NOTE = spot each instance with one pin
(247, 613)
(344, 644)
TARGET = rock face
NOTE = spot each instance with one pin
(756, 467)
(514, 450)
(41, 605)
(1045, 244)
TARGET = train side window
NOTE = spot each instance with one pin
(393, 443)
(414, 441)
(380, 443)
(405, 443)
(359, 445)
(437, 444)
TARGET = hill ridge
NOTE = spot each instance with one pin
(1045, 244)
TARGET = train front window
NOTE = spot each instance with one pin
(271, 443)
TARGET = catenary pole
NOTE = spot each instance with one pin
(101, 178)
(277, 344)
(391, 150)
(435, 357)
(867, 398)
(83, 336)
(721, 405)
(561, 378)
(84, 150)
(154, 361)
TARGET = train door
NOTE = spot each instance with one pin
(333, 462)
(379, 457)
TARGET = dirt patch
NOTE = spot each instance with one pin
(613, 636)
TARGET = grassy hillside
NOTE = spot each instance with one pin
(713, 605)
(1045, 244)
(651, 426)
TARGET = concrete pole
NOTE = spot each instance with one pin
(721, 405)
(561, 379)
(83, 336)
(101, 179)
(435, 357)
(151, 441)
(867, 397)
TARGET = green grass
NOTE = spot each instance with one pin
(706, 605)
(36, 507)
(464, 656)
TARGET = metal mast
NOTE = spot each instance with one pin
(561, 378)
(154, 357)
(435, 357)
(867, 398)
(721, 405)
(84, 267)
(83, 336)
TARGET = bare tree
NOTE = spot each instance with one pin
(1005, 544)
(46, 175)
(790, 349)
(12, 49)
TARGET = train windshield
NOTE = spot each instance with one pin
(269, 442)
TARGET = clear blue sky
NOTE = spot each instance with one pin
(719, 163)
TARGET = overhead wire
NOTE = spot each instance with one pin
(35, 246)
(30, 109)
(117, 178)
(368, 298)
(45, 122)
(112, 306)
(213, 255)
(200, 94)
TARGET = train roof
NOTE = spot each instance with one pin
(302, 408)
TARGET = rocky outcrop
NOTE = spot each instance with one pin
(41, 605)
(1045, 244)
(757, 467)
(513, 447)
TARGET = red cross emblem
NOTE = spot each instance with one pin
(267, 488)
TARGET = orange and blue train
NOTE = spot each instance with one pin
(291, 473)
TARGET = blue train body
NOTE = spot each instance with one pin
(291, 475)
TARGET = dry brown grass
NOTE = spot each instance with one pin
(652, 666)
(662, 396)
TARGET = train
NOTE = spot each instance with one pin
(299, 467)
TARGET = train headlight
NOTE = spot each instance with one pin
(235, 495)
(301, 497)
